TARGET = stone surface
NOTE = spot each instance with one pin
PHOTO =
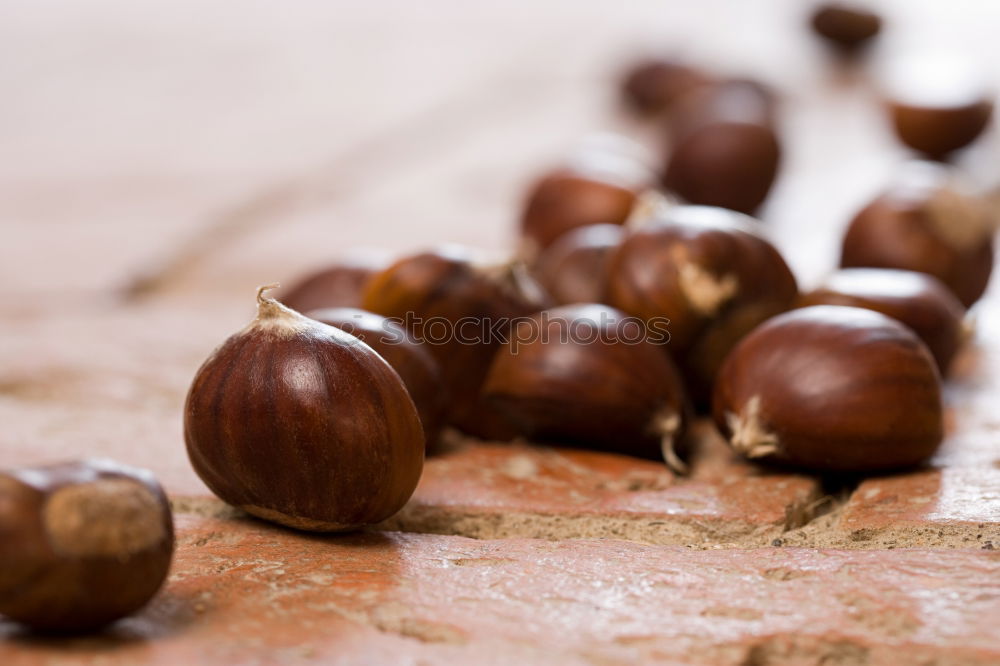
(242, 592)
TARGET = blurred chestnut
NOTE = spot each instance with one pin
(846, 26)
(461, 310)
(338, 285)
(652, 86)
(711, 274)
(833, 388)
(724, 147)
(923, 223)
(414, 363)
(937, 104)
(589, 375)
(918, 300)
(574, 269)
(302, 424)
(598, 185)
(82, 544)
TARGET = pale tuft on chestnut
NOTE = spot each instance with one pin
(302, 424)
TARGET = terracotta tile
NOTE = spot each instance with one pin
(242, 592)
(496, 490)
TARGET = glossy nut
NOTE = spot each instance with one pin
(301, 424)
(652, 86)
(831, 388)
(938, 105)
(845, 26)
(921, 223)
(708, 272)
(724, 150)
(917, 300)
(574, 269)
(409, 358)
(339, 285)
(461, 310)
(589, 375)
(82, 544)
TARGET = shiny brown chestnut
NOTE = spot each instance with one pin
(709, 272)
(917, 300)
(302, 424)
(82, 544)
(340, 284)
(461, 310)
(598, 184)
(831, 388)
(590, 375)
(846, 26)
(937, 105)
(652, 86)
(574, 269)
(409, 358)
(724, 148)
(923, 223)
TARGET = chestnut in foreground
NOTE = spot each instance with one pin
(302, 424)
(415, 365)
(724, 148)
(341, 284)
(708, 272)
(574, 269)
(846, 26)
(938, 104)
(461, 310)
(82, 544)
(588, 375)
(918, 300)
(923, 223)
(831, 388)
(653, 86)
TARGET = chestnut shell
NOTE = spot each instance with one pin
(937, 131)
(902, 229)
(724, 149)
(652, 86)
(833, 388)
(574, 269)
(917, 300)
(82, 544)
(709, 273)
(586, 375)
(414, 363)
(846, 26)
(340, 284)
(461, 312)
(303, 424)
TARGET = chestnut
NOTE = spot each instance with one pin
(415, 365)
(831, 388)
(845, 26)
(710, 273)
(590, 375)
(924, 223)
(917, 300)
(724, 147)
(82, 544)
(302, 424)
(599, 184)
(937, 105)
(340, 284)
(652, 86)
(574, 269)
(461, 310)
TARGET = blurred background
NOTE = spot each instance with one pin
(206, 147)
